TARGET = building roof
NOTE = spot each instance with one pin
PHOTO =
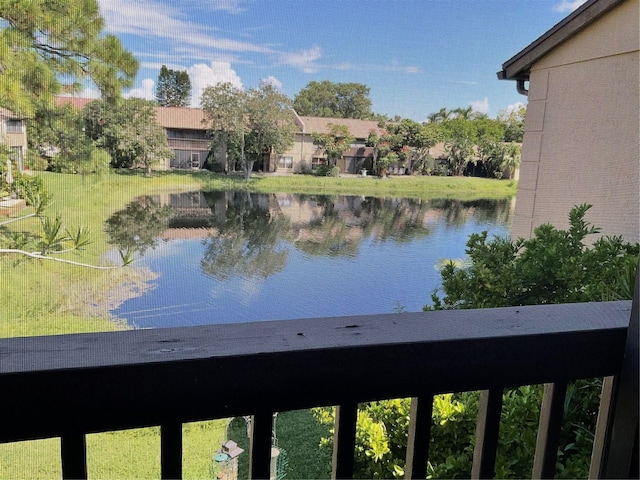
(519, 66)
(194, 119)
(181, 117)
(9, 114)
(358, 128)
(76, 102)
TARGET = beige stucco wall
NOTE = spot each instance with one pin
(302, 151)
(581, 142)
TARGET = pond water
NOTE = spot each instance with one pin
(224, 257)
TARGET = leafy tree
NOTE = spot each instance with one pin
(129, 132)
(334, 100)
(334, 143)
(249, 124)
(460, 141)
(173, 88)
(57, 131)
(47, 46)
(441, 115)
(271, 125)
(411, 142)
(514, 124)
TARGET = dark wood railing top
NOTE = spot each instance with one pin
(108, 381)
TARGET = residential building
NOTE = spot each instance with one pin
(13, 133)
(582, 132)
(304, 154)
(186, 134)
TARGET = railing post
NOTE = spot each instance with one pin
(551, 413)
(73, 450)
(171, 451)
(419, 436)
(487, 429)
(260, 446)
(615, 446)
(344, 441)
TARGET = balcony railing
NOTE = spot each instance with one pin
(70, 385)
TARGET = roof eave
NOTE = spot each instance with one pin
(519, 66)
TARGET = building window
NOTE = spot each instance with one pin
(14, 126)
(285, 162)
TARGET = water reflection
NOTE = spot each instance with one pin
(240, 256)
(247, 234)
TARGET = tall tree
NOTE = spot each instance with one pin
(334, 100)
(250, 124)
(224, 109)
(174, 88)
(514, 122)
(334, 142)
(440, 116)
(47, 47)
(460, 141)
(129, 132)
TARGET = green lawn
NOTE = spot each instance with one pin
(43, 298)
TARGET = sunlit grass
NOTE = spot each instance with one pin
(127, 454)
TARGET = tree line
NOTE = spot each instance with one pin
(42, 57)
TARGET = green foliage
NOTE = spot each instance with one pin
(129, 132)
(43, 42)
(31, 188)
(325, 170)
(334, 143)
(554, 266)
(334, 100)
(173, 88)
(249, 124)
(514, 124)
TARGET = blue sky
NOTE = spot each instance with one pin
(416, 56)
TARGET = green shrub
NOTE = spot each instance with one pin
(35, 161)
(554, 266)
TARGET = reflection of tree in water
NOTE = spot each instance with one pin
(400, 220)
(138, 226)
(251, 229)
(248, 243)
(328, 234)
(346, 220)
(457, 212)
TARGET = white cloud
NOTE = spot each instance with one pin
(514, 107)
(304, 60)
(229, 6)
(480, 106)
(146, 91)
(567, 5)
(203, 75)
(152, 20)
(273, 81)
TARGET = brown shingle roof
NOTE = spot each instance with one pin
(181, 117)
(358, 128)
(9, 114)
(76, 102)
